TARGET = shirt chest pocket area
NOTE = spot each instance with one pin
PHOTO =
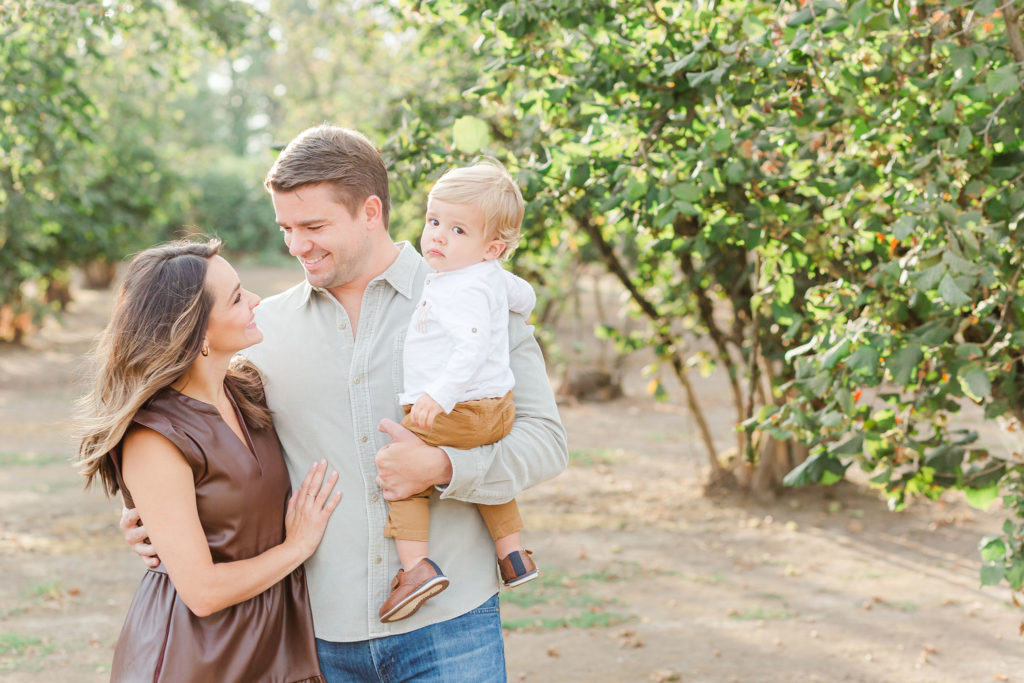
(421, 316)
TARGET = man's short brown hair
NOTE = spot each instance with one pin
(343, 158)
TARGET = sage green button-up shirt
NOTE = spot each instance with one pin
(328, 391)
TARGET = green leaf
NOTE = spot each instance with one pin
(974, 382)
(963, 141)
(784, 289)
(852, 446)
(835, 354)
(845, 400)
(752, 26)
(470, 134)
(982, 499)
(1003, 80)
(864, 358)
(992, 549)
(902, 363)
(818, 468)
(800, 18)
(951, 293)
(579, 175)
(903, 227)
(859, 11)
(984, 8)
(929, 277)
(1015, 575)
(991, 574)
(688, 192)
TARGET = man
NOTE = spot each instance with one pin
(332, 364)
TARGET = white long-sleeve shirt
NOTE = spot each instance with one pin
(456, 347)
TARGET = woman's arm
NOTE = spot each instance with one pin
(164, 493)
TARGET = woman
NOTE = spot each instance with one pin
(186, 437)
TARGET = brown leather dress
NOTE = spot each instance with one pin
(241, 494)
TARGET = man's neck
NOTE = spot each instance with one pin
(350, 294)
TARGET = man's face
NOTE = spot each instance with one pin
(332, 244)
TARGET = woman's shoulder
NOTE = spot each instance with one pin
(177, 418)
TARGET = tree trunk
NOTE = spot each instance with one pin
(775, 460)
(99, 273)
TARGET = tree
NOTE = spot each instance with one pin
(828, 194)
(83, 175)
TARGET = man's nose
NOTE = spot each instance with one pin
(297, 245)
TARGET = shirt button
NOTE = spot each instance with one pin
(355, 381)
(379, 559)
(364, 438)
(342, 326)
(374, 498)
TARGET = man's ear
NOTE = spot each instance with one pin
(494, 249)
(373, 209)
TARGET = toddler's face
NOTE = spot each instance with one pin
(454, 236)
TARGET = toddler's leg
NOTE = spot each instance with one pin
(504, 523)
(419, 579)
(411, 552)
(507, 544)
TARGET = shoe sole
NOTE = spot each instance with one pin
(520, 580)
(406, 609)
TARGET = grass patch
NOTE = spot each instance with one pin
(569, 595)
(33, 459)
(593, 456)
(715, 578)
(761, 614)
(17, 644)
(51, 590)
(586, 620)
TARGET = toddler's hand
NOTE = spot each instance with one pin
(424, 411)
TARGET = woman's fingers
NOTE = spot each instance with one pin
(325, 490)
(307, 481)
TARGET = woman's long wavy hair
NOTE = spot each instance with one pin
(154, 336)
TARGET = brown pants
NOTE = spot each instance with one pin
(470, 424)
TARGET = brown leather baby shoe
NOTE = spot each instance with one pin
(517, 568)
(410, 589)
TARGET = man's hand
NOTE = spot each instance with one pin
(407, 465)
(135, 536)
(423, 412)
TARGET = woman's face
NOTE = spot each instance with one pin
(232, 325)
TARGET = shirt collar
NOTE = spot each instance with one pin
(465, 270)
(401, 275)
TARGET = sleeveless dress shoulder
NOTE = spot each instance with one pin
(241, 494)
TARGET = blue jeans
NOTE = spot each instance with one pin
(467, 648)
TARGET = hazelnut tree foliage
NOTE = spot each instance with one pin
(830, 194)
(87, 172)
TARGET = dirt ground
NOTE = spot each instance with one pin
(644, 578)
